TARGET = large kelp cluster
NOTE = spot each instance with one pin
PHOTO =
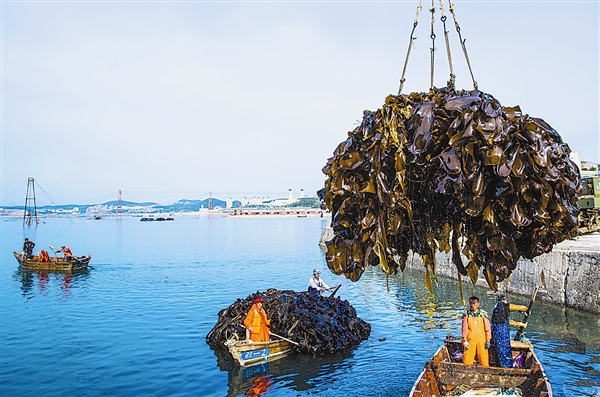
(317, 324)
(448, 171)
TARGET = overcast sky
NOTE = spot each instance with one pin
(172, 100)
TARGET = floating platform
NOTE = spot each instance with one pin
(289, 212)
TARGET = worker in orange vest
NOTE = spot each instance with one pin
(67, 252)
(256, 322)
(476, 334)
(44, 257)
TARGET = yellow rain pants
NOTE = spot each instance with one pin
(476, 336)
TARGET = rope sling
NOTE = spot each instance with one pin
(432, 35)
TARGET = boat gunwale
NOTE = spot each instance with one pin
(236, 347)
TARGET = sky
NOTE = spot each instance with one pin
(170, 100)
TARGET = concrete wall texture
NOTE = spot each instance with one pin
(569, 275)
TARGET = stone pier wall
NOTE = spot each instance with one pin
(569, 275)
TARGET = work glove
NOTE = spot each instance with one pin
(466, 345)
(517, 324)
(487, 345)
(517, 308)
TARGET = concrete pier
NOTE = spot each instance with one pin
(569, 275)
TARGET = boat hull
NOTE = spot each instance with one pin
(245, 354)
(445, 373)
(53, 263)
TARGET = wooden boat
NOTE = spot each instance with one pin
(446, 375)
(53, 263)
(247, 353)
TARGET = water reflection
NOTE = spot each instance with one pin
(39, 282)
(577, 331)
(260, 386)
(297, 372)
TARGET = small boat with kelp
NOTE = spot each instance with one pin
(52, 262)
(246, 353)
(446, 375)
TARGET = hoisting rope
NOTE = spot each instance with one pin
(410, 43)
(452, 76)
(452, 81)
(432, 35)
(462, 43)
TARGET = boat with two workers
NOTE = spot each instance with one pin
(446, 374)
(43, 261)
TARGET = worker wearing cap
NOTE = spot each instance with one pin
(476, 334)
(316, 285)
(256, 322)
(66, 252)
(501, 331)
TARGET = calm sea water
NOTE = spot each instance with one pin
(135, 323)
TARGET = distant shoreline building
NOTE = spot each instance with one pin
(266, 202)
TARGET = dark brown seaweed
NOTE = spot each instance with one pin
(429, 165)
(318, 324)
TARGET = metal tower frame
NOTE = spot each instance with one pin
(28, 213)
(119, 211)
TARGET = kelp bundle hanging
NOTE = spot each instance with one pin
(448, 171)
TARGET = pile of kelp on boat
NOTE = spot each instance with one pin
(314, 325)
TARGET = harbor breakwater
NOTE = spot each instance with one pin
(569, 275)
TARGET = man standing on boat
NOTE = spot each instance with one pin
(501, 323)
(476, 334)
(28, 248)
(316, 286)
(66, 252)
(256, 322)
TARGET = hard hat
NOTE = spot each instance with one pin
(316, 271)
(259, 299)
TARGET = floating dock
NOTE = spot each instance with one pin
(295, 212)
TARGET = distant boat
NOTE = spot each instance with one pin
(53, 263)
(156, 219)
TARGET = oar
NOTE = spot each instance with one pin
(53, 248)
(335, 290)
(285, 339)
(527, 314)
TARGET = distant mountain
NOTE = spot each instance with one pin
(130, 203)
(81, 207)
(192, 205)
(183, 205)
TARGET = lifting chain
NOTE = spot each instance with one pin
(462, 43)
(410, 43)
(452, 81)
(432, 35)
